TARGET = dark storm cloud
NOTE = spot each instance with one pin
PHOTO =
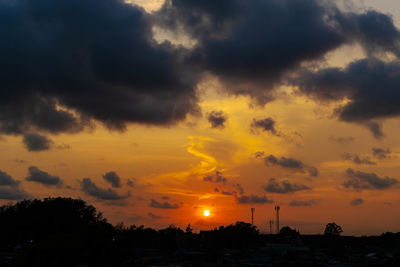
(357, 159)
(381, 153)
(94, 58)
(217, 119)
(217, 178)
(113, 178)
(6, 179)
(362, 180)
(303, 203)
(266, 125)
(284, 187)
(38, 176)
(252, 199)
(91, 189)
(342, 139)
(67, 62)
(162, 205)
(36, 142)
(251, 44)
(369, 85)
(373, 30)
(356, 202)
(291, 163)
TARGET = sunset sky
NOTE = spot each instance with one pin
(154, 111)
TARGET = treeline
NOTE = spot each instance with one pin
(65, 231)
(68, 232)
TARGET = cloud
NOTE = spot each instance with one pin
(162, 205)
(291, 163)
(251, 45)
(369, 86)
(303, 203)
(131, 183)
(113, 178)
(6, 179)
(21, 161)
(341, 139)
(110, 71)
(240, 188)
(357, 160)
(38, 176)
(217, 178)
(357, 202)
(362, 180)
(217, 119)
(374, 127)
(91, 189)
(165, 197)
(381, 153)
(153, 216)
(10, 188)
(266, 125)
(284, 187)
(253, 199)
(375, 31)
(35, 142)
(63, 146)
(13, 193)
(258, 154)
(114, 72)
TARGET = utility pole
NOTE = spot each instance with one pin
(252, 216)
(277, 208)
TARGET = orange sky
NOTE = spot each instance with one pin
(169, 164)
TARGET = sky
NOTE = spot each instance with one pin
(156, 111)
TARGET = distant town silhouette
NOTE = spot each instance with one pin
(69, 232)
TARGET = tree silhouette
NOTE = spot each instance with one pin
(56, 232)
(332, 229)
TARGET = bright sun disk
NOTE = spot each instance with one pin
(206, 213)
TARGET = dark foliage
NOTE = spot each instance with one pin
(55, 231)
(332, 229)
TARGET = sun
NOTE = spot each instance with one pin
(206, 213)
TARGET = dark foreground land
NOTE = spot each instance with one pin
(67, 232)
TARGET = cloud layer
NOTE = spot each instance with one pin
(284, 187)
(113, 178)
(38, 176)
(359, 180)
(291, 163)
(59, 69)
(91, 189)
